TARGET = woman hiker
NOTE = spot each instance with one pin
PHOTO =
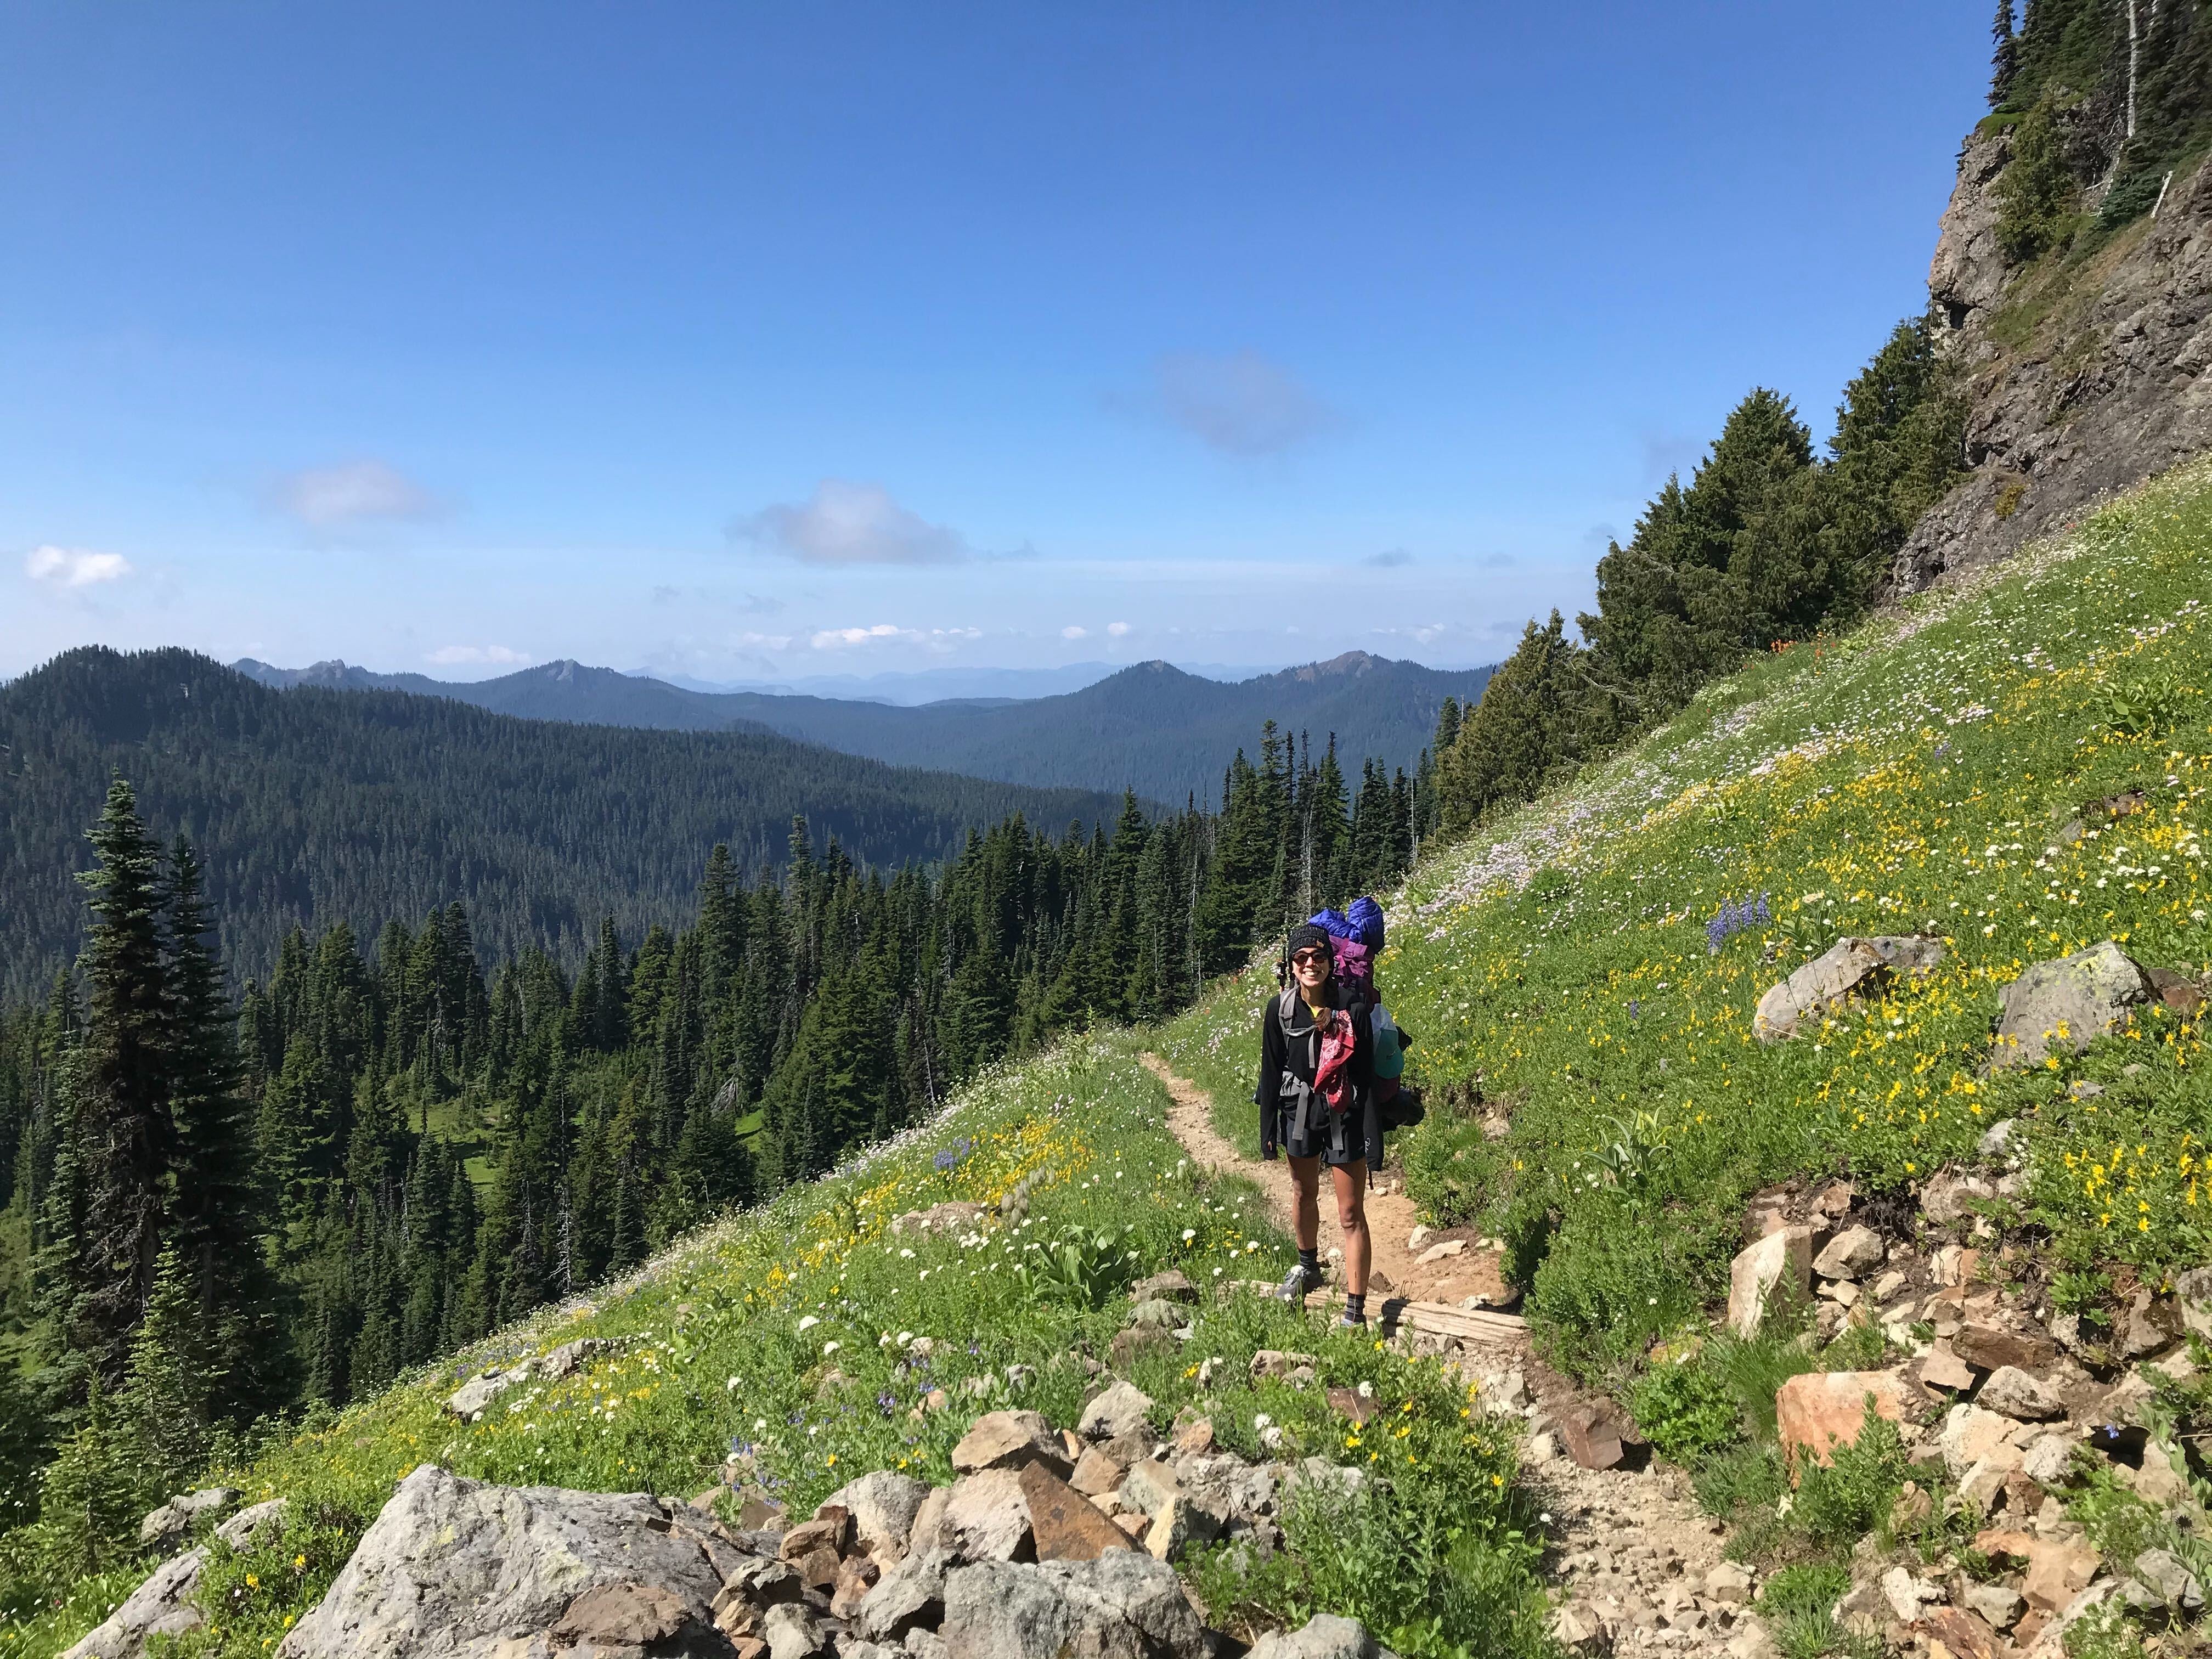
(1317, 1100)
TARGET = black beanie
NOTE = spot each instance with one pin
(1308, 933)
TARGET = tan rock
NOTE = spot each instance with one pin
(2011, 1392)
(1970, 1436)
(1851, 1254)
(1098, 1471)
(1941, 1371)
(1064, 1525)
(2058, 1569)
(984, 1517)
(1822, 1410)
(1442, 1251)
(855, 1578)
(1779, 1264)
(1006, 1440)
(1964, 1634)
(1992, 1348)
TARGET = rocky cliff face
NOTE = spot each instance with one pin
(2085, 373)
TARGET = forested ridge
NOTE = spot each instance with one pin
(311, 807)
(213, 1211)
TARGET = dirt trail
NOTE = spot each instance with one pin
(1629, 1550)
(1399, 1270)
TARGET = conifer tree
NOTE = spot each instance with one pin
(92, 1494)
(125, 1132)
(175, 1380)
(2004, 61)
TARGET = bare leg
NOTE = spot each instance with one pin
(1305, 1201)
(1351, 1182)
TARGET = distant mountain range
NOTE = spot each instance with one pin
(1152, 727)
(315, 807)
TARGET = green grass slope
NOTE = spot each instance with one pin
(784, 1338)
(1558, 971)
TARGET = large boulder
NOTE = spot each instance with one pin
(163, 1606)
(1122, 1605)
(453, 1567)
(1848, 969)
(2067, 1004)
(1780, 1263)
(1818, 1411)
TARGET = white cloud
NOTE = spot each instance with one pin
(764, 641)
(59, 567)
(929, 639)
(447, 655)
(354, 493)
(1241, 405)
(847, 523)
(1073, 632)
(1117, 629)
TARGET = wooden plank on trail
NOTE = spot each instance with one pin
(1439, 1318)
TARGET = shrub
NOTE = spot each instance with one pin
(2036, 190)
(1686, 1411)
(1851, 1496)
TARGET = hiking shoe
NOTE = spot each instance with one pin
(1300, 1283)
(1352, 1321)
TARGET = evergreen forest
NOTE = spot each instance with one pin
(215, 1212)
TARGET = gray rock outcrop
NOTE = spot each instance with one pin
(1852, 967)
(2067, 1004)
(1325, 1636)
(163, 1606)
(454, 1567)
(1124, 1605)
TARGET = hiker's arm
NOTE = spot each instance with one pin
(1266, 1091)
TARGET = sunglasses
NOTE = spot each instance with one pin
(1308, 958)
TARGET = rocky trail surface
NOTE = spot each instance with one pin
(1633, 1561)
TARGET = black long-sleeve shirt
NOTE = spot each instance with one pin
(1296, 1052)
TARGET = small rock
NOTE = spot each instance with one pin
(2192, 1293)
(951, 1217)
(910, 1596)
(1151, 1486)
(2176, 1587)
(162, 1605)
(1275, 1361)
(1948, 1199)
(1999, 1605)
(1168, 1286)
(883, 1506)
(1888, 1285)
(173, 1519)
(2014, 1393)
(1543, 1446)
(1729, 1583)
(1991, 1347)
(1851, 1254)
(1961, 1632)
(791, 1631)
(1906, 1594)
(1591, 1435)
(2048, 1460)
(254, 1525)
(1996, 1140)
(1943, 1371)
(1780, 1263)
(1122, 1409)
(1440, 1251)
(1194, 1440)
(1124, 1603)
(1970, 1436)
(1418, 1237)
(1096, 1471)
(2149, 1326)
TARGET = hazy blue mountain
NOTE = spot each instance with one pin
(1152, 727)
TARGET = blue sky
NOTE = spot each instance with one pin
(743, 341)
